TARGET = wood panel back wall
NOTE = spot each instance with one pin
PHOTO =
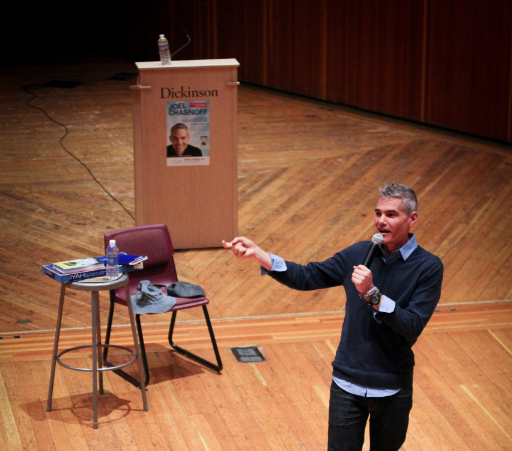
(441, 63)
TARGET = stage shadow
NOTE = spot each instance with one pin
(165, 364)
(119, 397)
(79, 408)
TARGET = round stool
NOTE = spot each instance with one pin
(97, 362)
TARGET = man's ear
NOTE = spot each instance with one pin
(413, 218)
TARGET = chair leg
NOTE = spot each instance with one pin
(109, 322)
(142, 348)
(127, 377)
(189, 354)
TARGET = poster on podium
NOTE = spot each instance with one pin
(188, 133)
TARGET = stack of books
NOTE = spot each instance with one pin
(79, 265)
(89, 268)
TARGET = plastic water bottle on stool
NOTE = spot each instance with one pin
(163, 48)
(112, 261)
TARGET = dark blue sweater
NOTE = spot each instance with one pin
(376, 352)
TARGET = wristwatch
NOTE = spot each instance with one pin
(372, 296)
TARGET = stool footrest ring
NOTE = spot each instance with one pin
(108, 368)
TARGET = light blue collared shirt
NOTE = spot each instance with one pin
(387, 305)
(278, 264)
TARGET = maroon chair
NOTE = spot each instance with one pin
(155, 242)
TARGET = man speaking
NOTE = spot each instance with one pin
(388, 306)
(180, 147)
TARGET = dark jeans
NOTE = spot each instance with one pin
(389, 419)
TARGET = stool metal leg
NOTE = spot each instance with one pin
(95, 306)
(55, 348)
(99, 353)
(137, 350)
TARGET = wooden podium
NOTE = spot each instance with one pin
(195, 196)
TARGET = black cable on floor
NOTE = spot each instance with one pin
(28, 89)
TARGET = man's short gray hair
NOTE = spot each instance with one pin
(179, 126)
(410, 202)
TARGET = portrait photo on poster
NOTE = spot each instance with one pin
(188, 133)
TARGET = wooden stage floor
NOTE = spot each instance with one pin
(462, 388)
(308, 178)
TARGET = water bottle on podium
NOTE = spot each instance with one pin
(112, 260)
(163, 48)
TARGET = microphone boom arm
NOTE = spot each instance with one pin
(183, 46)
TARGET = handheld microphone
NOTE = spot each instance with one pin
(377, 239)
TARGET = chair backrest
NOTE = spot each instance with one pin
(153, 241)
